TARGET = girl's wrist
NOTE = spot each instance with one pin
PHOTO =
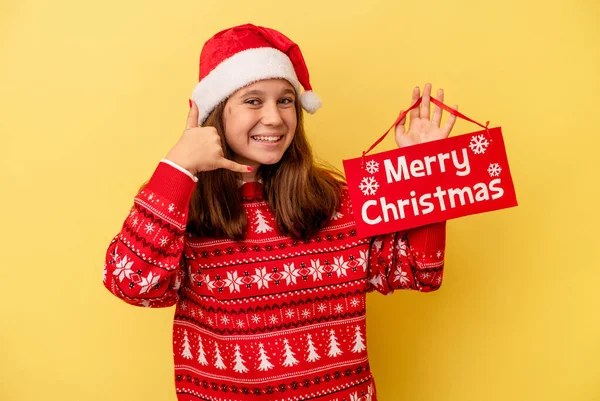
(179, 166)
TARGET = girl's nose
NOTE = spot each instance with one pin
(271, 115)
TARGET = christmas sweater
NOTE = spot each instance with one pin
(269, 317)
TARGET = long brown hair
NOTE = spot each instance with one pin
(302, 194)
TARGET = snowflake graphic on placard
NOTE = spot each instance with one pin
(494, 170)
(372, 166)
(369, 186)
(478, 144)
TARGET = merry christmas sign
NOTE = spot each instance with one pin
(430, 182)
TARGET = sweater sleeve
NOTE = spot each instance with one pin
(412, 259)
(144, 263)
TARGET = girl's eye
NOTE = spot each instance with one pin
(287, 100)
(253, 102)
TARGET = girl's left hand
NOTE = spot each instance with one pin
(422, 127)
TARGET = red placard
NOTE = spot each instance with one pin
(430, 182)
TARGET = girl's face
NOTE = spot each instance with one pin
(260, 122)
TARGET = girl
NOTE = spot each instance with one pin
(256, 245)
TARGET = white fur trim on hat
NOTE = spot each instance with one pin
(238, 71)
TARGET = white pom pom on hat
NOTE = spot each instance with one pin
(310, 101)
(239, 56)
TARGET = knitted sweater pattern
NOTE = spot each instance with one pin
(269, 317)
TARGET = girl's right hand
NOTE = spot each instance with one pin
(199, 148)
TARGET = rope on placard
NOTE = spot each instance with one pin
(400, 117)
(416, 104)
(458, 114)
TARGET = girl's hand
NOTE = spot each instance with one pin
(423, 128)
(199, 148)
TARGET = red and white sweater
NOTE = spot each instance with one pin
(270, 317)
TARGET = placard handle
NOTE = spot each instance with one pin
(416, 104)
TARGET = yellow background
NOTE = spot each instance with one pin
(94, 94)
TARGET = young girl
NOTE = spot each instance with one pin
(256, 245)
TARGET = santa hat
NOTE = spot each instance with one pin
(239, 56)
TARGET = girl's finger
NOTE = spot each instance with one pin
(450, 123)
(437, 111)
(233, 166)
(192, 119)
(425, 114)
(401, 126)
(414, 113)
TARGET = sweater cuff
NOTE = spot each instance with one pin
(429, 237)
(171, 183)
(178, 167)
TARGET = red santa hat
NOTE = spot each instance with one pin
(239, 56)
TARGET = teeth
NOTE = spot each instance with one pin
(267, 138)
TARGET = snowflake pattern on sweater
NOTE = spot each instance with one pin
(269, 317)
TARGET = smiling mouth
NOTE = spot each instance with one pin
(267, 139)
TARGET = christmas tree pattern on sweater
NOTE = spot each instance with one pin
(269, 317)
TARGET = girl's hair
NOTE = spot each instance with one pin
(302, 194)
